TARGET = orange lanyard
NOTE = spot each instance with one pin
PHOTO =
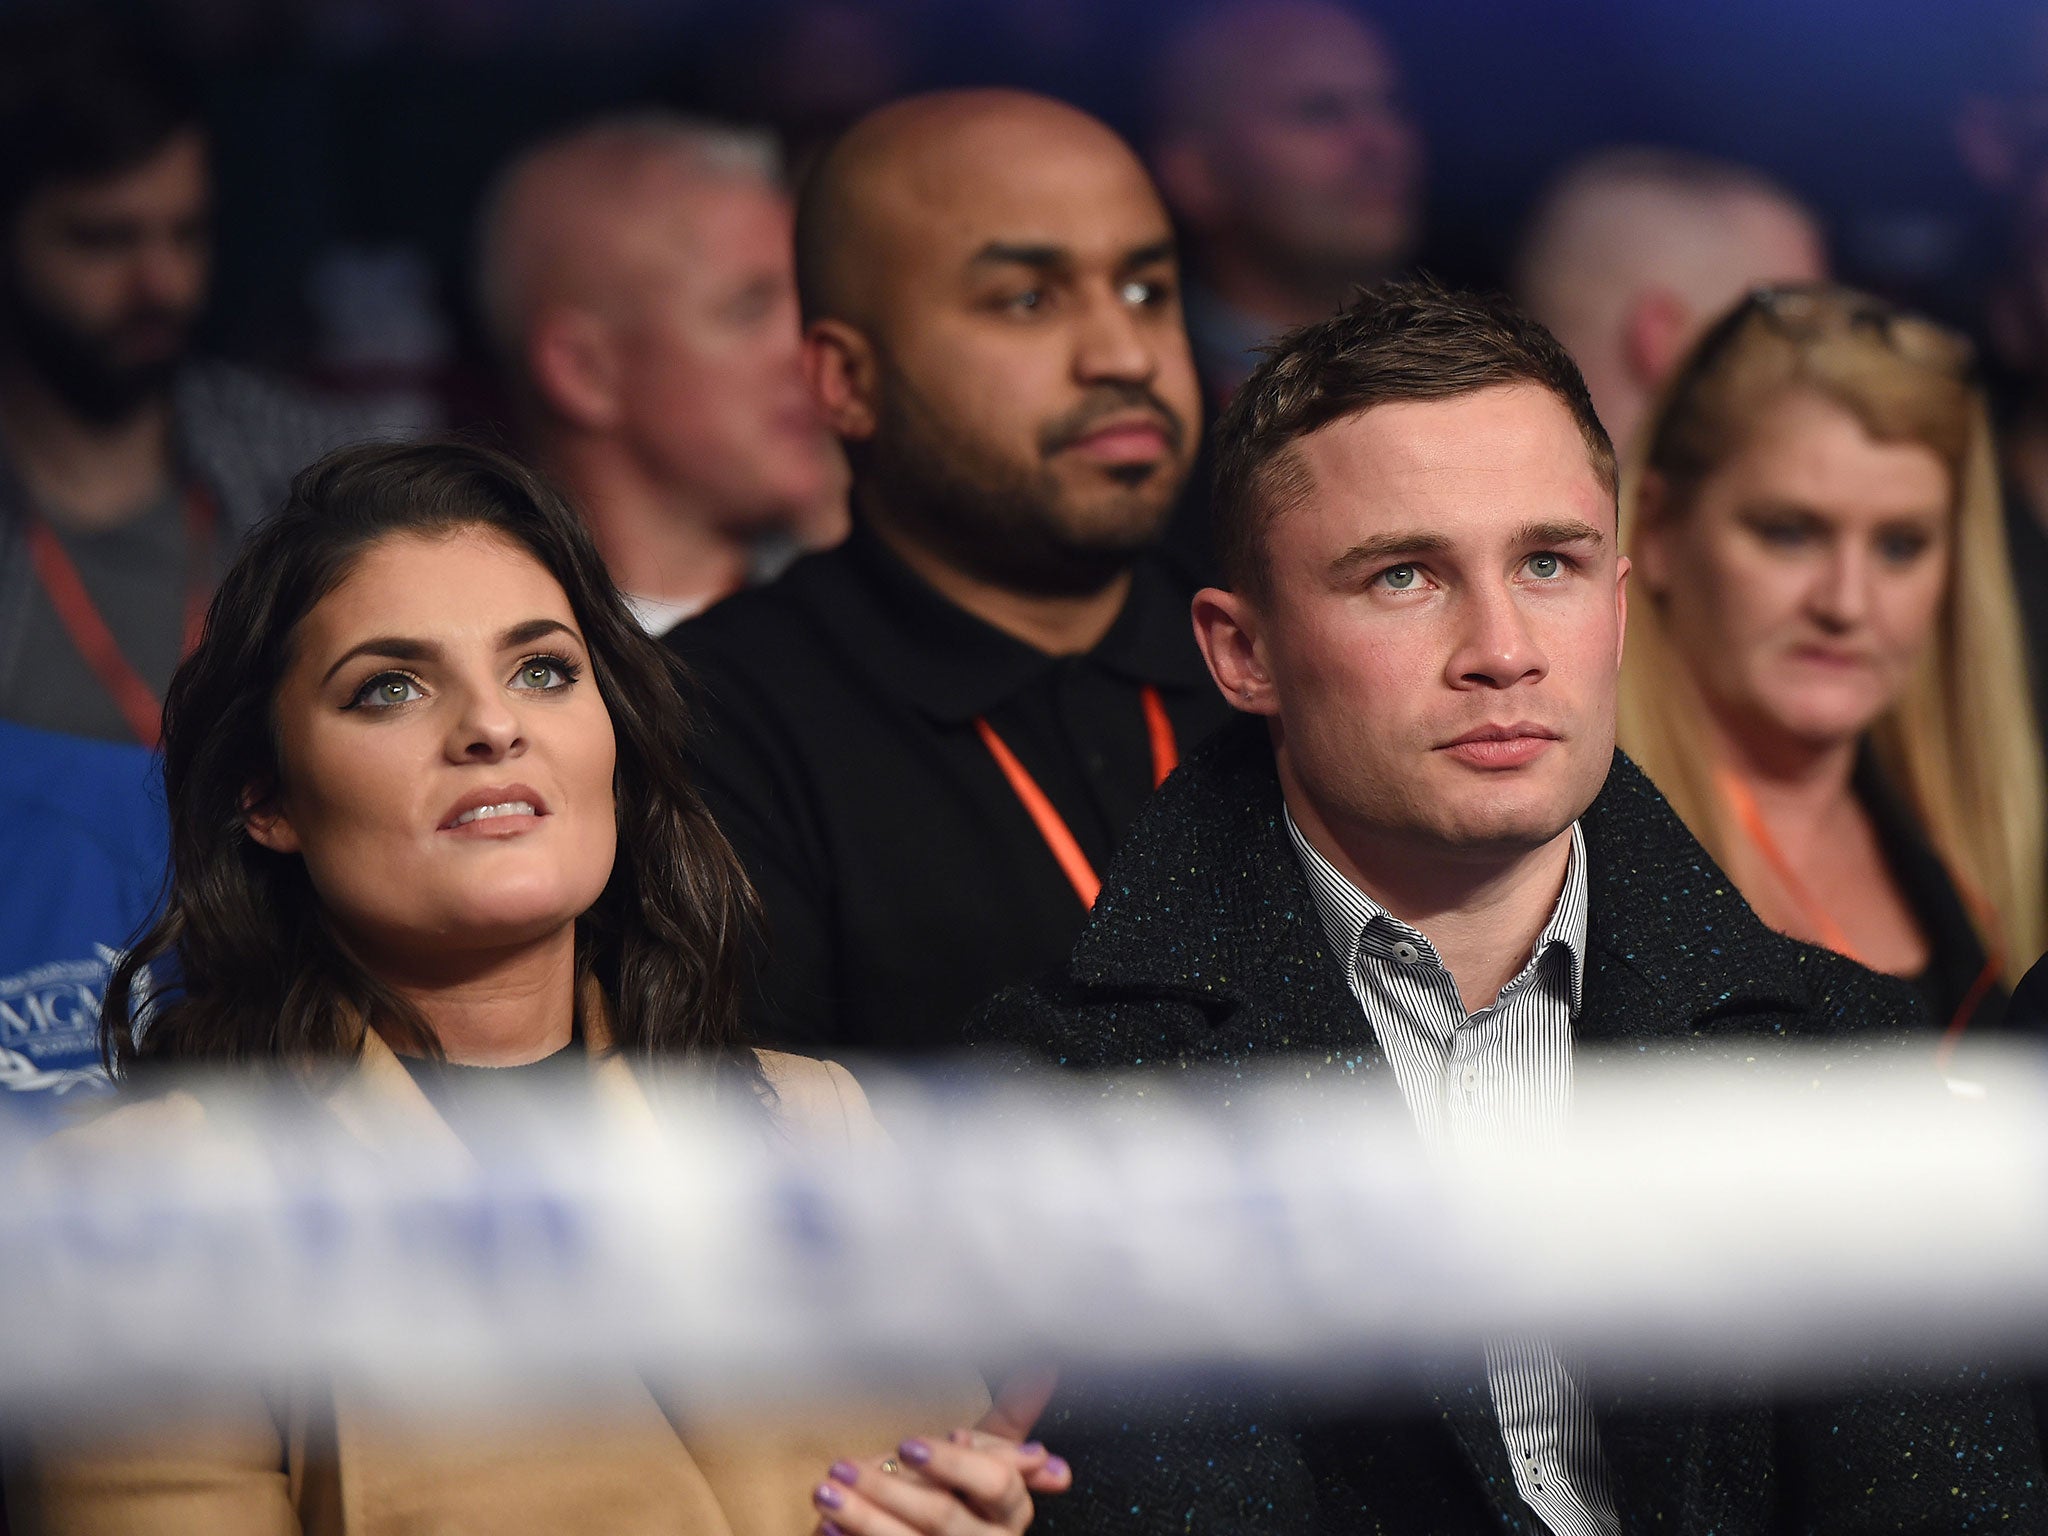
(89, 633)
(1742, 800)
(1052, 826)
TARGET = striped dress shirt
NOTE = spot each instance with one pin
(1475, 1079)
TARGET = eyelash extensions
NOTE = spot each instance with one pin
(571, 673)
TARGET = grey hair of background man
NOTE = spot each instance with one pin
(596, 162)
(1631, 211)
(1633, 251)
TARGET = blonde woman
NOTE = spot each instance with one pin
(1825, 673)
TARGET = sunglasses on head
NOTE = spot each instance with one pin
(1807, 312)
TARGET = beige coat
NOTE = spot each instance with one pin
(322, 1463)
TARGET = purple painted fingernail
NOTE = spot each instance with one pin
(844, 1472)
(1032, 1448)
(1056, 1466)
(827, 1528)
(916, 1452)
(829, 1496)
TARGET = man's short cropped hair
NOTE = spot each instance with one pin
(83, 97)
(605, 156)
(1407, 340)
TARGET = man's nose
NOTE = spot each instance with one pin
(1114, 343)
(1495, 648)
(169, 273)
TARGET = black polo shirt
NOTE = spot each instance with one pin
(904, 881)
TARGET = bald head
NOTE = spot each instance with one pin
(993, 325)
(929, 166)
(1632, 253)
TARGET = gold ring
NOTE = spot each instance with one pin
(891, 1464)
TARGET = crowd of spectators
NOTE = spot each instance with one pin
(858, 400)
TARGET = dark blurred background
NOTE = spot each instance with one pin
(355, 136)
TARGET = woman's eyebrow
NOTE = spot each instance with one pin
(535, 629)
(395, 647)
(400, 648)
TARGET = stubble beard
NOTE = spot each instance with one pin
(1002, 522)
(76, 365)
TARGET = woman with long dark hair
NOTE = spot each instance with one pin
(429, 820)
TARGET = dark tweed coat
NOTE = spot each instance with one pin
(1205, 947)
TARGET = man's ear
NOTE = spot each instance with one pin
(264, 815)
(572, 358)
(839, 367)
(1227, 630)
(1655, 333)
(1621, 569)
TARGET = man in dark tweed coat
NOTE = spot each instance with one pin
(1420, 855)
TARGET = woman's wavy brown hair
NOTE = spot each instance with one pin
(259, 975)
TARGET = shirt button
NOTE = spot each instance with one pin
(1470, 1078)
(1405, 952)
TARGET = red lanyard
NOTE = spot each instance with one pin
(1743, 802)
(1052, 826)
(81, 618)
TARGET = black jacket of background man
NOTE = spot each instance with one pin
(903, 880)
(1205, 947)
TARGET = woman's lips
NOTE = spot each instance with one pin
(495, 811)
(501, 820)
(1832, 660)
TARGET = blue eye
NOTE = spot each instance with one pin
(1401, 578)
(386, 690)
(1546, 567)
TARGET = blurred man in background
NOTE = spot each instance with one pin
(127, 468)
(639, 282)
(924, 743)
(1633, 252)
(1282, 145)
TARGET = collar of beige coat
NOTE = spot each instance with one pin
(381, 1104)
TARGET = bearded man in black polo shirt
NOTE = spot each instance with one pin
(925, 743)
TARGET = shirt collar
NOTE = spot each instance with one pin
(954, 667)
(1347, 912)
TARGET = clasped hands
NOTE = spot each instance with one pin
(971, 1482)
